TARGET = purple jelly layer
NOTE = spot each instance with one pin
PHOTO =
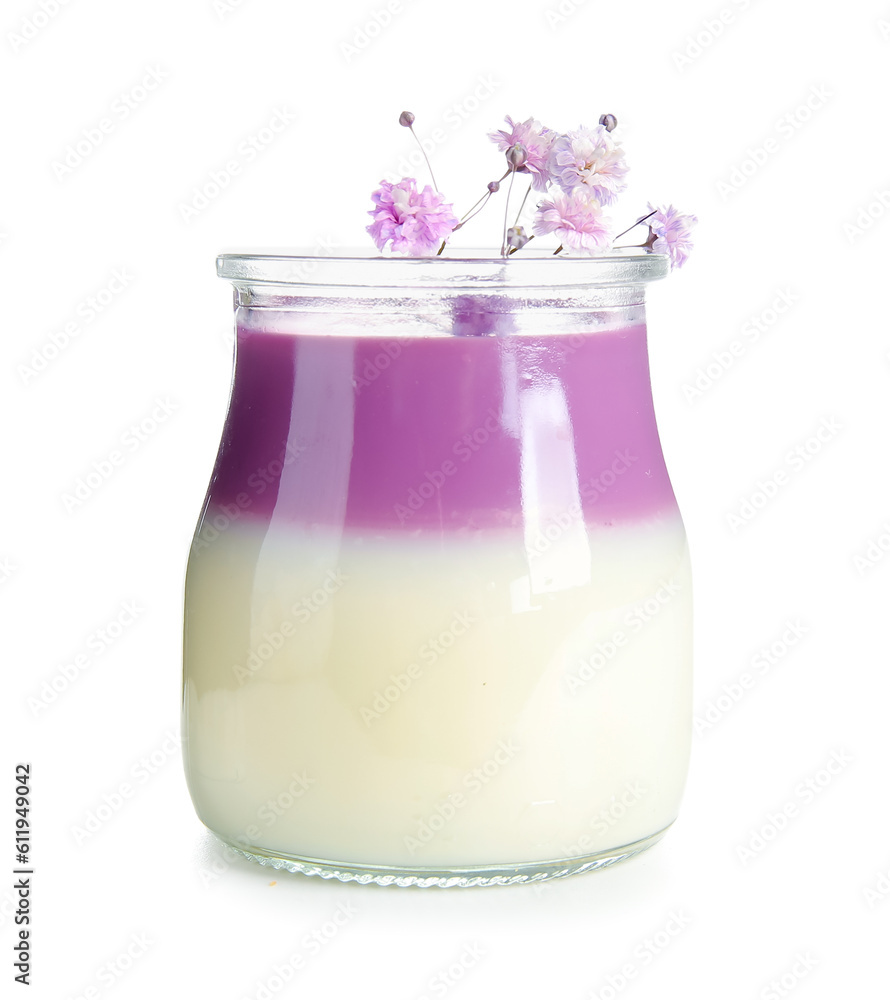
(437, 433)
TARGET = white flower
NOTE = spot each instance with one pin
(576, 219)
(671, 230)
(589, 158)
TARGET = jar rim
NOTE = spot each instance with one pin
(474, 269)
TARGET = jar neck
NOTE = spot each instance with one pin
(462, 315)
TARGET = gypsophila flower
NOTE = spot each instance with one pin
(536, 139)
(671, 230)
(577, 174)
(577, 220)
(414, 222)
(589, 158)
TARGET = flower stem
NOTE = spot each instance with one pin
(522, 206)
(488, 194)
(557, 250)
(477, 206)
(638, 246)
(506, 213)
(423, 151)
(468, 216)
(643, 219)
(514, 249)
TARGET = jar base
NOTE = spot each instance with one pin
(477, 875)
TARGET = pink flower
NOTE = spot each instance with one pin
(591, 158)
(537, 141)
(671, 231)
(415, 222)
(576, 218)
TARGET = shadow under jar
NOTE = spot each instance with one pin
(438, 617)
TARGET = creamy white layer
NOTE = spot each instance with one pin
(448, 703)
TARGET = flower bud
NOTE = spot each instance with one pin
(516, 237)
(406, 119)
(608, 122)
(517, 155)
(494, 186)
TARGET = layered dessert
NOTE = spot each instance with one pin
(438, 608)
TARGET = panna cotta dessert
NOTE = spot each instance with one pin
(438, 604)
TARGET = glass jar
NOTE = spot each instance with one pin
(438, 606)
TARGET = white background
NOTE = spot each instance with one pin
(694, 130)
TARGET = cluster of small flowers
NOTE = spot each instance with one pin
(578, 172)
